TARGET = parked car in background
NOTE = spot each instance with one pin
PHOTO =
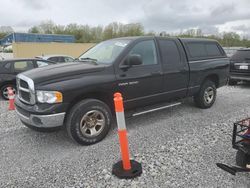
(240, 66)
(11, 67)
(57, 58)
(230, 51)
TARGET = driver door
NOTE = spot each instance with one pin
(140, 85)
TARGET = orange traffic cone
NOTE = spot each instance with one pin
(11, 96)
(126, 168)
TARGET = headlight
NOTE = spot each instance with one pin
(49, 97)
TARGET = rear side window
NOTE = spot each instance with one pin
(170, 53)
(68, 59)
(42, 63)
(55, 59)
(199, 50)
(23, 65)
(7, 66)
(61, 59)
(212, 50)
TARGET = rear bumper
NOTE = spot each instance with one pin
(243, 77)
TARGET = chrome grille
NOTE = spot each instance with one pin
(24, 95)
(25, 88)
(24, 84)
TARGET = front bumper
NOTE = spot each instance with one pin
(45, 121)
(43, 116)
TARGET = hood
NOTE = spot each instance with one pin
(62, 71)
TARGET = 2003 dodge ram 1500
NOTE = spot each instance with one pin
(146, 70)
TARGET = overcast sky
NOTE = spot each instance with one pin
(211, 16)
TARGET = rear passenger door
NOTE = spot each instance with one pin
(175, 68)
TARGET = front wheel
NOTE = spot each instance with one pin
(206, 96)
(89, 121)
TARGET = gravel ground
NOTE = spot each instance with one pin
(177, 147)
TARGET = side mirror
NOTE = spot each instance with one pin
(131, 60)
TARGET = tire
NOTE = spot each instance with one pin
(206, 96)
(242, 159)
(232, 82)
(89, 121)
(4, 93)
(41, 129)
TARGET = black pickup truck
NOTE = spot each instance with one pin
(146, 70)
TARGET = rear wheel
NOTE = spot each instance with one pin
(206, 96)
(4, 90)
(242, 159)
(89, 121)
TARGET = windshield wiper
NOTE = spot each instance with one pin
(88, 59)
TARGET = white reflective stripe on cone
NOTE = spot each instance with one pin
(11, 97)
(120, 120)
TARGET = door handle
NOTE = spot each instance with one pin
(156, 73)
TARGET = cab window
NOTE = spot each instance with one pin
(147, 51)
(170, 53)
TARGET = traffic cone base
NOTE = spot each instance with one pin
(136, 170)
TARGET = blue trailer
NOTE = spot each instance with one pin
(32, 37)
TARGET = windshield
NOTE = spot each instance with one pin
(105, 52)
